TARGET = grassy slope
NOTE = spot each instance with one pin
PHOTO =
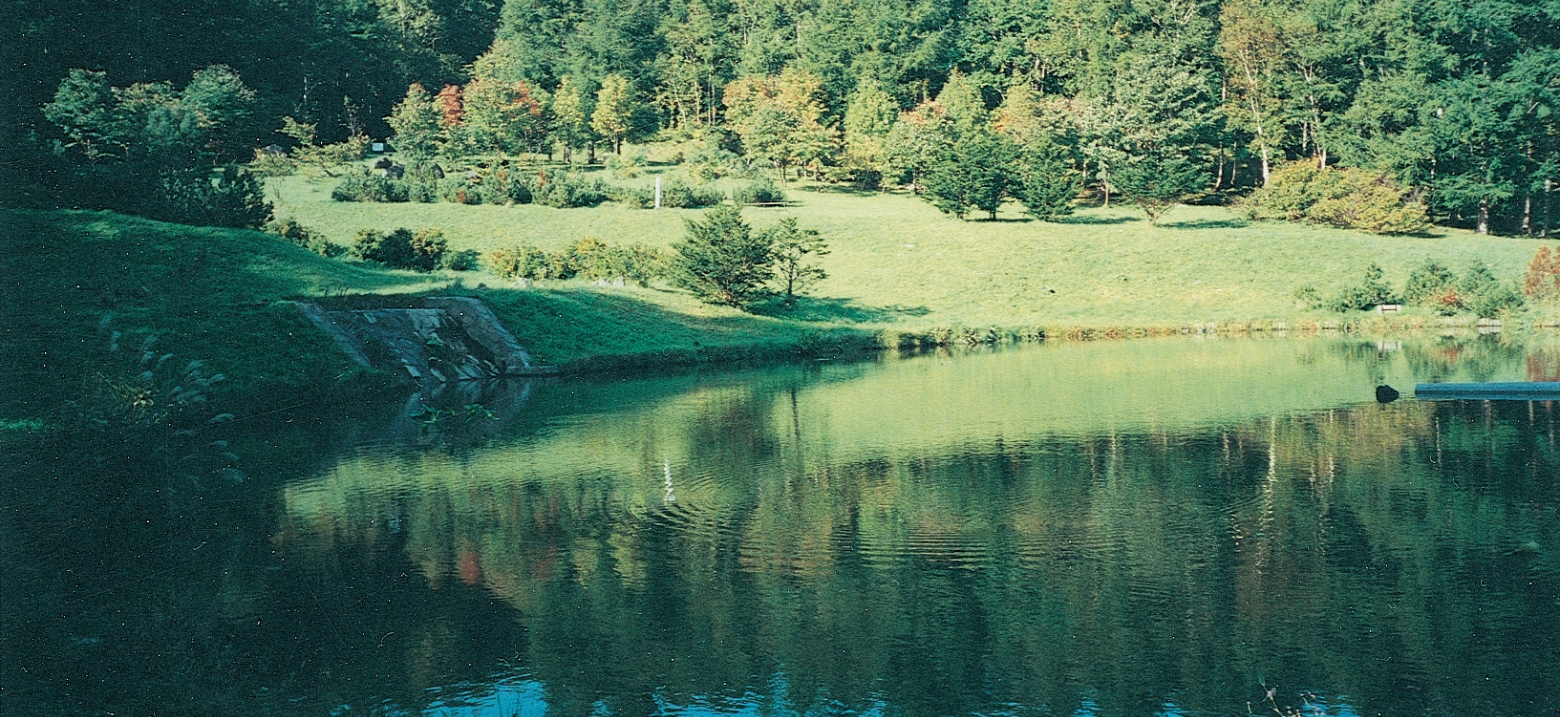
(899, 264)
(209, 294)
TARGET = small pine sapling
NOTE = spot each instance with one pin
(791, 247)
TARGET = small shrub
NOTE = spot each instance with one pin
(1447, 302)
(1308, 297)
(1486, 295)
(1372, 291)
(722, 260)
(234, 198)
(758, 191)
(423, 191)
(303, 236)
(1350, 198)
(505, 186)
(677, 194)
(587, 257)
(463, 260)
(1428, 284)
(423, 250)
(590, 258)
(428, 249)
(632, 197)
(1291, 190)
(626, 166)
(643, 264)
(710, 162)
(520, 262)
(460, 191)
(368, 187)
(566, 190)
(519, 192)
(674, 194)
(1494, 300)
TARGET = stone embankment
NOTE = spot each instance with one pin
(444, 339)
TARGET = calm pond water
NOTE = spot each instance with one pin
(1167, 527)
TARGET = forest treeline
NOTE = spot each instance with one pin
(1454, 100)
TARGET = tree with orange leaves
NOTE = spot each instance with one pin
(1542, 281)
(450, 104)
(500, 116)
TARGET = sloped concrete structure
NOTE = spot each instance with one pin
(445, 339)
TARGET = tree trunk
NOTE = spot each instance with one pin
(1549, 186)
(1218, 175)
(1264, 165)
(1527, 214)
(590, 149)
(1484, 215)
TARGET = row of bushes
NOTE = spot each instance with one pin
(586, 258)
(422, 250)
(1430, 285)
(305, 237)
(1348, 198)
(673, 194)
(561, 190)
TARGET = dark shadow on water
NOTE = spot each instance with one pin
(812, 310)
(1208, 224)
(1095, 220)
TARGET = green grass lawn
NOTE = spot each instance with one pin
(899, 264)
(898, 268)
(219, 296)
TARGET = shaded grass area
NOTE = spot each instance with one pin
(72, 279)
(582, 327)
(220, 296)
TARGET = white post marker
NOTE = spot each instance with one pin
(657, 192)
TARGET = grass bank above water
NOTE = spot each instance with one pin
(898, 263)
(900, 273)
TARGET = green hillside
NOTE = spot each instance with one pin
(897, 269)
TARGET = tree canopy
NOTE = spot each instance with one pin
(1456, 101)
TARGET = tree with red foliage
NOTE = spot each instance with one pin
(450, 104)
(1542, 281)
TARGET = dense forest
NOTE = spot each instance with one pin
(1455, 100)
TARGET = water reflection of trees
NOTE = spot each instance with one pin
(798, 558)
(1371, 552)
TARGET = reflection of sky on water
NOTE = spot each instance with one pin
(528, 698)
(510, 698)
